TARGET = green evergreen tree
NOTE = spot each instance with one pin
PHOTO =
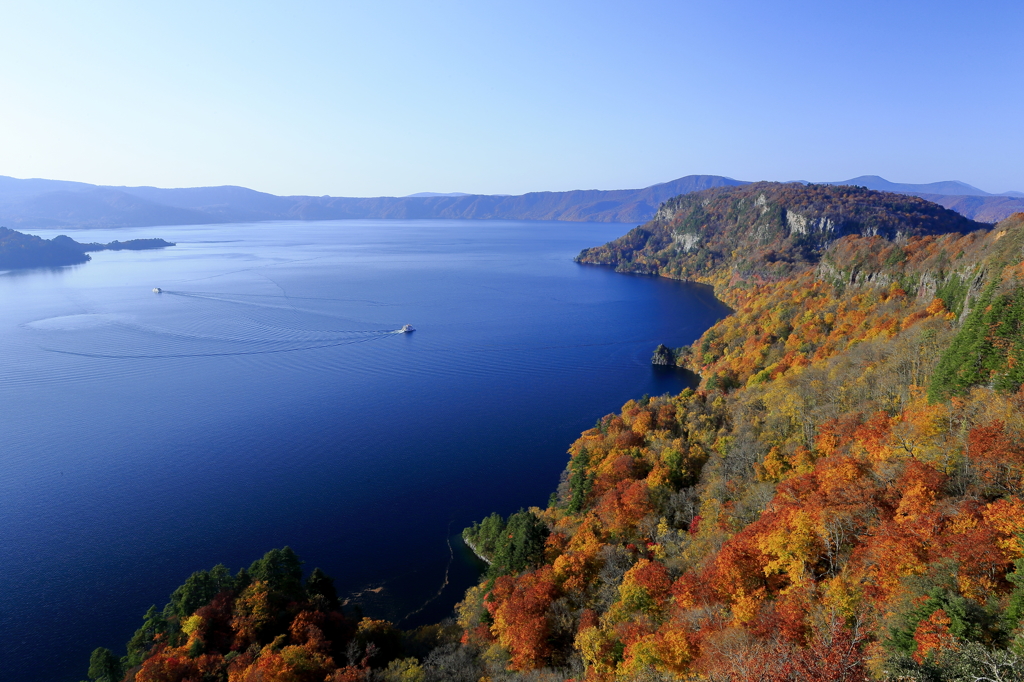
(199, 589)
(580, 481)
(988, 349)
(484, 536)
(521, 546)
(281, 569)
(1013, 617)
(960, 364)
(319, 584)
(142, 641)
(1009, 336)
(104, 666)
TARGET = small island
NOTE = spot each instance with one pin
(19, 250)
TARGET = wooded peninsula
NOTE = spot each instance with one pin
(840, 499)
(19, 250)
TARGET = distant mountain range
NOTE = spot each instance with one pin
(40, 203)
(55, 203)
(947, 187)
(965, 199)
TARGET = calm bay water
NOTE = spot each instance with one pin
(264, 400)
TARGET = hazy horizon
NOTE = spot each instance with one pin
(397, 98)
(427, 193)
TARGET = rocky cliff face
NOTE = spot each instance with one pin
(952, 267)
(663, 355)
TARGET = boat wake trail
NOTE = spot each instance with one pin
(444, 583)
(202, 325)
(268, 351)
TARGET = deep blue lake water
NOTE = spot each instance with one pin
(263, 400)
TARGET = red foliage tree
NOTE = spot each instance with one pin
(518, 607)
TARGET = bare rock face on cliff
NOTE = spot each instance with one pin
(663, 355)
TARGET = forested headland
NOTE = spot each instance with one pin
(839, 499)
(19, 250)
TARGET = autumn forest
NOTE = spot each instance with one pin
(840, 499)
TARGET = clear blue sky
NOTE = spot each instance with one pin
(390, 98)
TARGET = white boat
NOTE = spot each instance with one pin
(157, 290)
(406, 329)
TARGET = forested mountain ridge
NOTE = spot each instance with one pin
(965, 199)
(839, 499)
(986, 209)
(943, 188)
(766, 229)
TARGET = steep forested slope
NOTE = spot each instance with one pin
(839, 499)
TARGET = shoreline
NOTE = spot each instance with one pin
(473, 549)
